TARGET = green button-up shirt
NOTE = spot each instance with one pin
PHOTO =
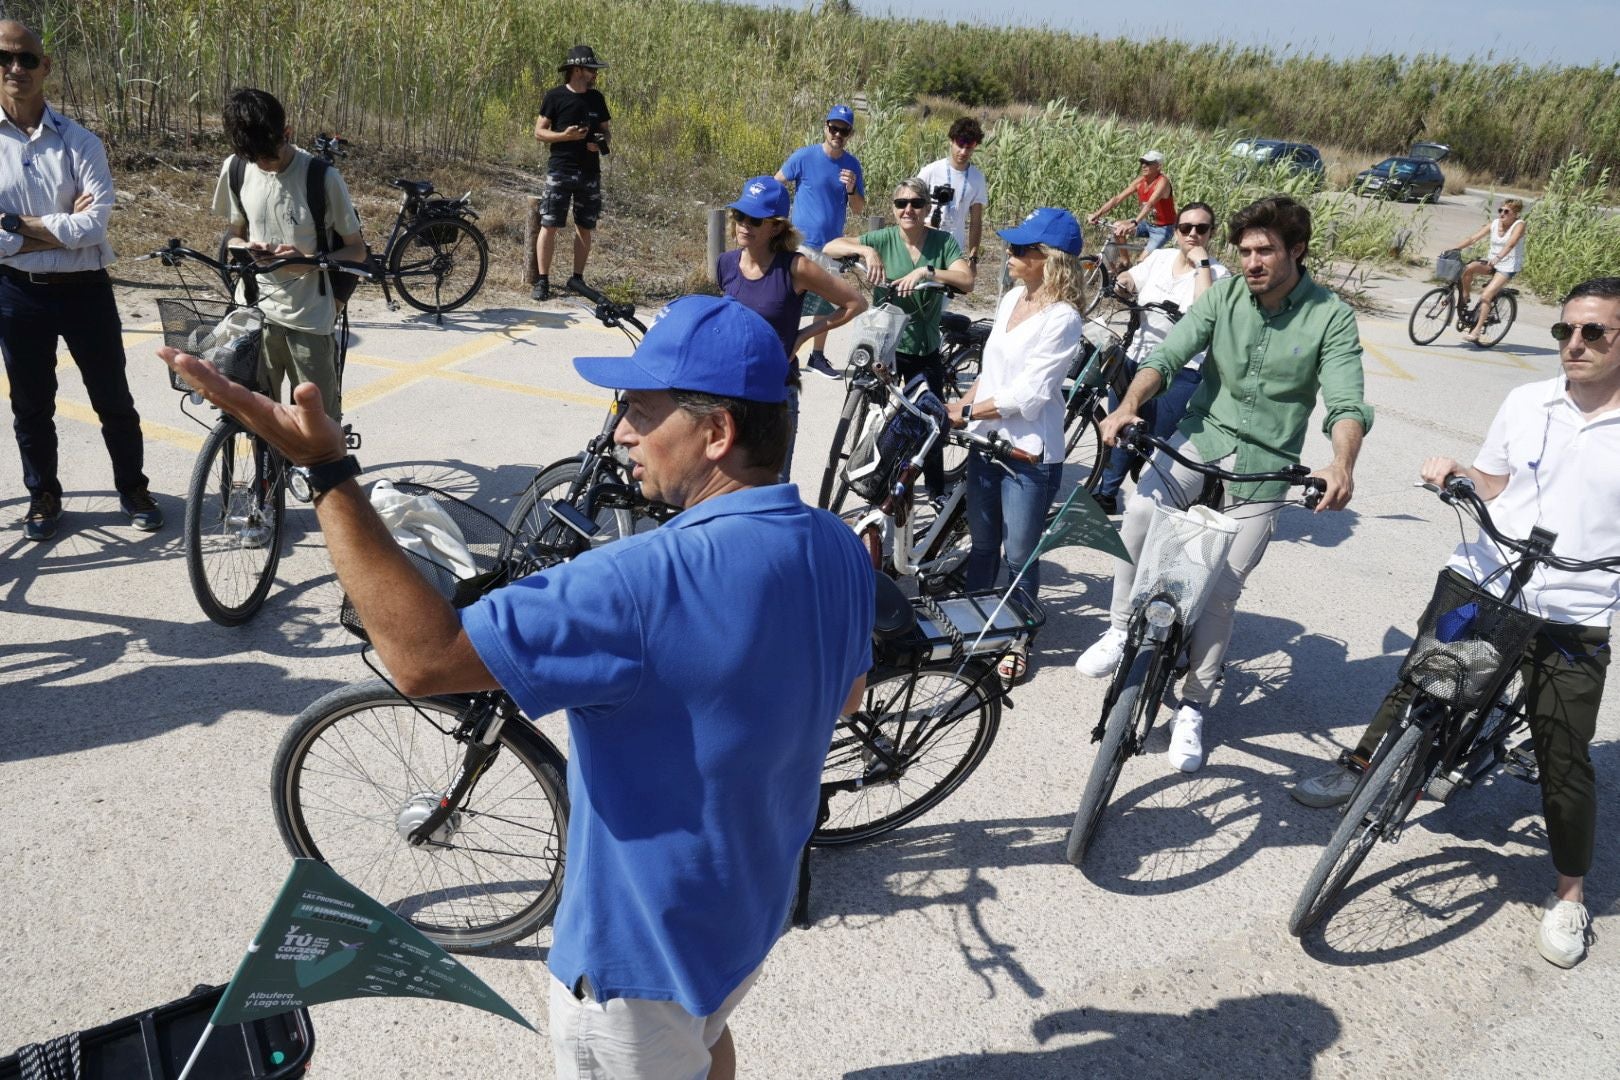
(1262, 374)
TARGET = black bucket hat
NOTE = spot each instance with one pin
(582, 56)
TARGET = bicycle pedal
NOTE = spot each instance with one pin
(351, 437)
(1521, 765)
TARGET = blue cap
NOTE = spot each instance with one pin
(763, 197)
(843, 114)
(1050, 226)
(710, 344)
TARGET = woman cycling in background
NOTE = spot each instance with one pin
(766, 273)
(1019, 397)
(1505, 258)
(914, 254)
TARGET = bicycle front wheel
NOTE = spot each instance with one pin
(532, 513)
(1431, 316)
(1095, 281)
(235, 504)
(833, 487)
(1503, 312)
(439, 263)
(1382, 800)
(1133, 706)
(917, 736)
(363, 766)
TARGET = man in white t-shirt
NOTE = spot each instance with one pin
(1551, 459)
(962, 214)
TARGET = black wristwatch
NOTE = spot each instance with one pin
(309, 483)
(12, 223)
(1202, 264)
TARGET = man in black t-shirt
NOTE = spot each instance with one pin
(574, 122)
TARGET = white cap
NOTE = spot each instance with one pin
(1152, 155)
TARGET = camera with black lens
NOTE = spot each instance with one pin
(600, 138)
(941, 197)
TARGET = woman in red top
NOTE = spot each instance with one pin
(1156, 214)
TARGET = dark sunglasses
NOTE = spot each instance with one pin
(1023, 251)
(1187, 228)
(28, 60)
(740, 218)
(839, 130)
(1591, 331)
(1506, 210)
(915, 204)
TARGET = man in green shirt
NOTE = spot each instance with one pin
(1276, 342)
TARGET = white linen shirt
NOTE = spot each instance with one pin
(1563, 474)
(1023, 373)
(40, 175)
(969, 189)
(1156, 282)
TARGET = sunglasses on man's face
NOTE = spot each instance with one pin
(1024, 251)
(740, 218)
(915, 204)
(1187, 228)
(1591, 331)
(839, 130)
(29, 61)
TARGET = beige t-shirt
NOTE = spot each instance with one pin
(278, 213)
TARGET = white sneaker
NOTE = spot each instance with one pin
(1565, 926)
(1328, 789)
(1102, 658)
(1187, 739)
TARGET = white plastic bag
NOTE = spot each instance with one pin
(421, 526)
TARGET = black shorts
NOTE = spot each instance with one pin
(567, 184)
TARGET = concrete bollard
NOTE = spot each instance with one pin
(717, 241)
(531, 236)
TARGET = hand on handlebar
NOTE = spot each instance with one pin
(905, 286)
(1340, 486)
(1437, 470)
(1114, 423)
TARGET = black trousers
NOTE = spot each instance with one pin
(84, 316)
(1563, 671)
(932, 368)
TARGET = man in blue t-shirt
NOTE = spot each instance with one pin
(827, 184)
(703, 666)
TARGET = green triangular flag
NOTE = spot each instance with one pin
(325, 940)
(1081, 523)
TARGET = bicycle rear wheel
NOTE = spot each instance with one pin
(915, 739)
(1383, 799)
(1095, 280)
(362, 766)
(235, 504)
(833, 487)
(1503, 312)
(1430, 316)
(531, 515)
(1083, 452)
(439, 263)
(1132, 711)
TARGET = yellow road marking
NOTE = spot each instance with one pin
(505, 385)
(150, 429)
(1391, 368)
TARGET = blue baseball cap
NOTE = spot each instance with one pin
(843, 114)
(1050, 226)
(710, 344)
(763, 197)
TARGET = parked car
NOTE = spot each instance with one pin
(1298, 157)
(1415, 175)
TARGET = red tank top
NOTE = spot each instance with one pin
(1164, 211)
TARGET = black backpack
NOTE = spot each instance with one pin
(327, 239)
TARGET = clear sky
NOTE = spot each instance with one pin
(1575, 32)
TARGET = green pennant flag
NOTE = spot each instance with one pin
(1081, 523)
(325, 940)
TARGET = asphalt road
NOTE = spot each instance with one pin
(135, 743)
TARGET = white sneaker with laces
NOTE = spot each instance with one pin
(1187, 739)
(1328, 789)
(1102, 658)
(1565, 926)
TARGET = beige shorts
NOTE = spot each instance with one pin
(634, 1039)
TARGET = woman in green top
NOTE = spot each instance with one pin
(904, 256)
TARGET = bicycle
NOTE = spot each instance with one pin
(1434, 310)
(237, 494)
(1180, 560)
(1466, 717)
(435, 256)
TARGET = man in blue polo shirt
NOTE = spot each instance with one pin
(827, 185)
(703, 666)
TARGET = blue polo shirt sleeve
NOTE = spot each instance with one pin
(793, 167)
(571, 637)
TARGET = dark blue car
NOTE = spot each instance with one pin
(1415, 176)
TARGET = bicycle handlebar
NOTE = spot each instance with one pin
(1137, 437)
(855, 262)
(1459, 490)
(607, 312)
(176, 252)
(993, 445)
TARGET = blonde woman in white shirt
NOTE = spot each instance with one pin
(1504, 259)
(1019, 397)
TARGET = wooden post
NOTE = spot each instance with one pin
(531, 235)
(717, 241)
(874, 222)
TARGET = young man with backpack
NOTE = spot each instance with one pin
(284, 202)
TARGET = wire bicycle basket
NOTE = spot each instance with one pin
(1183, 554)
(1466, 641)
(224, 334)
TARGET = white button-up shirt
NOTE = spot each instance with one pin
(1563, 473)
(40, 175)
(1023, 373)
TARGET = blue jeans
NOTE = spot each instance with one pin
(1006, 512)
(1163, 415)
(793, 435)
(1157, 235)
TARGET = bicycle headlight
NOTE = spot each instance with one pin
(1160, 614)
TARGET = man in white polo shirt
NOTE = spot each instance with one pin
(1551, 458)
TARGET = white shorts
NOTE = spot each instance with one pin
(635, 1039)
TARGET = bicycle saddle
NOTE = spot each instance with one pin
(418, 189)
(895, 615)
